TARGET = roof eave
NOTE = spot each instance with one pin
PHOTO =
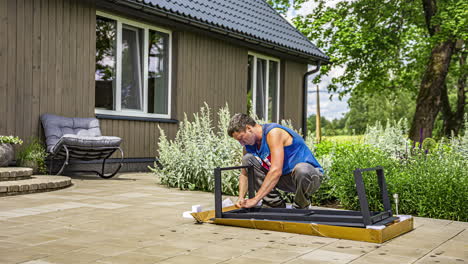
(224, 31)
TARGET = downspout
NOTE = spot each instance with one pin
(304, 100)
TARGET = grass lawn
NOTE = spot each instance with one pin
(344, 138)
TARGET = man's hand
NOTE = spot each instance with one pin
(249, 203)
(239, 202)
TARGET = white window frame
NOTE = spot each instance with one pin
(254, 83)
(118, 78)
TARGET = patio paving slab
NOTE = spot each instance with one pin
(132, 219)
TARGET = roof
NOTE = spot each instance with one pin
(252, 19)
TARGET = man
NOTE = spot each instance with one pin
(280, 158)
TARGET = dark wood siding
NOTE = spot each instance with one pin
(46, 62)
(210, 71)
(292, 91)
(3, 65)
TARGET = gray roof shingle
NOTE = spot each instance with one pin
(252, 18)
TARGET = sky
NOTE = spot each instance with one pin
(330, 109)
(333, 108)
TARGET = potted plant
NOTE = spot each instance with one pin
(7, 153)
(33, 156)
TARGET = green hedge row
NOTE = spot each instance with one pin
(432, 184)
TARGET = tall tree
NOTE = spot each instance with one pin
(453, 119)
(433, 85)
(387, 46)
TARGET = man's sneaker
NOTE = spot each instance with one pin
(295, 206)
(280, 205)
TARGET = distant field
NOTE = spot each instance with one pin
(357, 138)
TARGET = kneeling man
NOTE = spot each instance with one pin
(281, 160)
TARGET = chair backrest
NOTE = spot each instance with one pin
(57, 126)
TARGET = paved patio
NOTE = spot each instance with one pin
(132, 219)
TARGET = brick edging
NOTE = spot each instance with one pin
(34, 185)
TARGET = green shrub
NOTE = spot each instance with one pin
(460, 143)
(10, 140)
(433, 184)
(323, 148)
(392, 139)
(188, 160)
(346, 158)
(33, 155)
(344, 138)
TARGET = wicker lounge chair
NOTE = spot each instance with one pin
(78, 139)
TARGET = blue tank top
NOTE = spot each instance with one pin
(295, 153)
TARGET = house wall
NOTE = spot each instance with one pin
(47, 52)
(47, 66)
(293, 91)
(211, 71)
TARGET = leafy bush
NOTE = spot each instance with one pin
(188, 160)
(431, 182)
(34, 155)
(343, 139)
(323, 148)
(434, 184)
(392, 139)
(10, 140)
(460, 143)
(430, 185)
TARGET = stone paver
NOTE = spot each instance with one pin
(14, 173)
(132, 219)
(34, 184)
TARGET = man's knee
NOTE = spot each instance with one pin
(302, 170)
(248, 159)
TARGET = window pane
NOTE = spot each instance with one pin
(273, 91)
(260, 97)
(158, 73)
(250, 69)
(106, 32)
(132, 88)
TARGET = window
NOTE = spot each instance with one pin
(263, 87)
(132, 68)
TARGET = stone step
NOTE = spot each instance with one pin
(37, 183)
(15, 173)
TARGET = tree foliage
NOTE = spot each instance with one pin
(378, 42)
(381, 107)
(283, 6)
(328, 128)
(388, 47)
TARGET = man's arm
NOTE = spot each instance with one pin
(243, 184)
(276, 140)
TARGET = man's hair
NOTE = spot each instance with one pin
(239, 122)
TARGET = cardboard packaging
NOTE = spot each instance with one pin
(370, 234)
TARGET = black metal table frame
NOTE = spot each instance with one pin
(361, 218)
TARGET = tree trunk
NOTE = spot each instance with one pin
(453, 121)
(430, 9)
(430, 91)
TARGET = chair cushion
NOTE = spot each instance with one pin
(86, 141)
(57, 126)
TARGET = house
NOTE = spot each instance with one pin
(140, 64)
